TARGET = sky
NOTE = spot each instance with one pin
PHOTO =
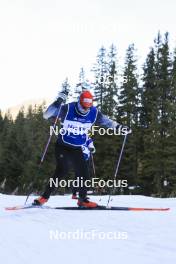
(44, 41)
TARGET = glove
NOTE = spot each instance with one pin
(125, 130)
(62, 96)
(91, 146)
(92, 149)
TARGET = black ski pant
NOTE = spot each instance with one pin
(66, 156)
(76, 189)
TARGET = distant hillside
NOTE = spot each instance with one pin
(15, 109)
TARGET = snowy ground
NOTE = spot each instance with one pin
(39, 236)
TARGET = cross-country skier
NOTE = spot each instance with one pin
(79, 116)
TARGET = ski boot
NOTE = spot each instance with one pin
(74, 197)
(39, 201)
(84, 202)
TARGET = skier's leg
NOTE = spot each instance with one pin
(81, 167)
(74, 191)
(77, 174)
(60, 171)
(81, 171)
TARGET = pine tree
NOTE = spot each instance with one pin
(148, 119)
(100, 69)
(9, 171)
(128, 111)
(105, 92)
(170, 148)
(163, 71)
(109, 100)
(168, 121)
(78, 87)
(1, 122)
(157, 117)
(82, 75)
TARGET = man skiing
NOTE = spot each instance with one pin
(79, 116)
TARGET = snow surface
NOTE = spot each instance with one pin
(143, 237)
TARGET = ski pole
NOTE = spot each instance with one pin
(49, 139)
(118, 164)
(46, 148)
(93, 164)
(93, 167)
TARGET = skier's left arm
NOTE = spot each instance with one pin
(105, 121)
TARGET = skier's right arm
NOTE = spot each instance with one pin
(56, 106)
(51, 111)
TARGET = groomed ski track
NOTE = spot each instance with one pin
(30, 236)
